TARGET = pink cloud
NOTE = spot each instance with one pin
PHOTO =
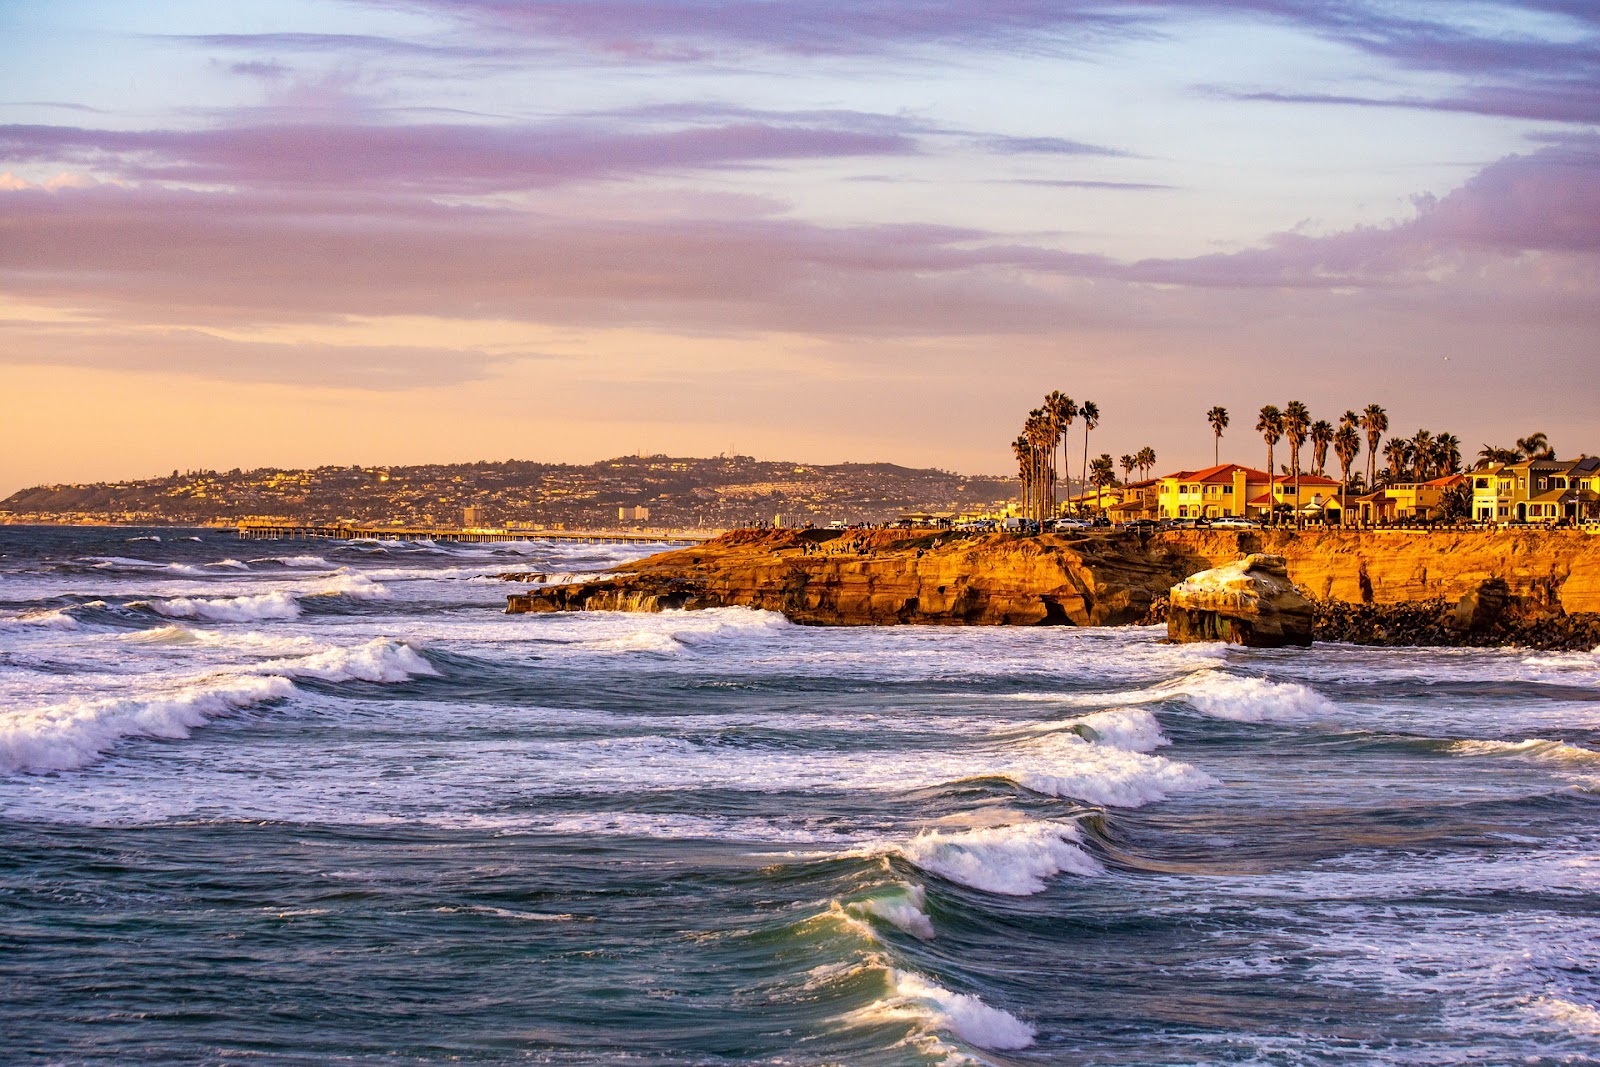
(440, 158)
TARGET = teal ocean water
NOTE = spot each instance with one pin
(290, 802)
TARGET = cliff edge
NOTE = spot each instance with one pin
(858, 577)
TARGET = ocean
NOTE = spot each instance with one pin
(322, 802)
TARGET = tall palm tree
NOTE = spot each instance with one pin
(1024, 453)
(1063, 409)
(1536, 446)
(1146, 460)
(1447, 453)
(1128, 463)
(1375, 421)
(1102, 473)
(1422, 454)
(1296, 423)
(1218, 418)
(1089, 411)
(1346, 445)
(1321, 438)
(1398, 452)
(1270, 426)
(1042, 440)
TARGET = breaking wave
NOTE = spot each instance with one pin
(1012, 860)
(74, 733)
(930, 1008)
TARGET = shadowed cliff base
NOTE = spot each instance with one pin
(881, 577)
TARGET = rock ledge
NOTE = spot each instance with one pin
(1250, 602)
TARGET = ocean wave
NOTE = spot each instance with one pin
(1248, 699)
(1536, 748)
(901, 906)
(930, 1007)
(1575, 1018)
(307, 562)
(73, 733)
(382, 659)
(249, 608)
(673, 632)
(1130, 729)
(54, 619)
(230, 564)
(1065, 765)
(1013, 860)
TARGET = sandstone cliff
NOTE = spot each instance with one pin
(875, 577)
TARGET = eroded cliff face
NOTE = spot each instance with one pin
(1552, 569)
(878, 577)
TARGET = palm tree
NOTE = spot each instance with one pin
(1447, 453)
(1090, 411)
(1040, 432)
(1218, 418)
(1102, 473)
(1495, 456)
(1375, 421)
(1398, 452)
(1062, 409)
(1422, 454)
(1146, 460)
(1024, 453)
(1269, 424)
(1536, 446)
(1128, 463)
(1346, 445)
(1296, 422)
(1321, 438)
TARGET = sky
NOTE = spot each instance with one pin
(378, 232)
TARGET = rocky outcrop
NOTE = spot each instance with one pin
(1249, 602)
(829, 577)
(882, 577)
(1557, 570)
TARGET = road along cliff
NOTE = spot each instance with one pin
(855, 578)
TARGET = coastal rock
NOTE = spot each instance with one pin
(1478, 610)
(1250, 602)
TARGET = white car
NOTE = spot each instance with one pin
(1235, 523)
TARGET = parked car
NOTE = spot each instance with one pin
(1235, 522)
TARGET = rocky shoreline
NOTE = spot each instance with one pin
(1529, 589)
(1433, 624)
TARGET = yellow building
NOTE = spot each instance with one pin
(1234, 490)
(1404, 501)
(1538, 490)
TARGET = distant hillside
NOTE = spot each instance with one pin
(679, 492)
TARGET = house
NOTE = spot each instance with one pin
(1538, 490)
(1404, 501)
(1211, 493)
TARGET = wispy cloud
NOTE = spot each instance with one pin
(456, 158)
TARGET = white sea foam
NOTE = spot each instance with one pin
(307, 562)
(1536, 748)
(932, 1007)
(901, 907)
(1248, 699)
(379, 660)
(1132, 729)
(230, 564)
(1011, 860)
(1064, 765)
(56, 619)
(73, 733)
(1576, 1018)
(250, 608)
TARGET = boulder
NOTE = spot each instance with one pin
(1479, 610)
(1250, 602)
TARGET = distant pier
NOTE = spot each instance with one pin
(273, 531)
